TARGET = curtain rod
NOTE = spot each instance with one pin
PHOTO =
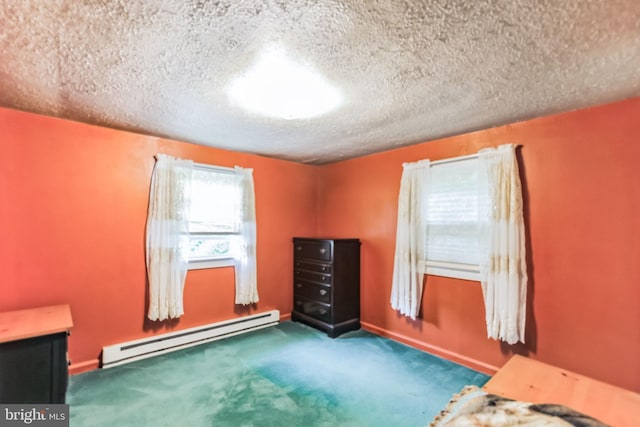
(203, 166)
(427, 164)
(221, 169)
(458, 159)
(454, 159)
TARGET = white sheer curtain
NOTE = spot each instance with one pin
(503, 262)
(408, 268)
(245, 262)
(167, 242)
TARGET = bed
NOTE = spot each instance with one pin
(530, 393)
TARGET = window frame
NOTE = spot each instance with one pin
(225, 261)
(450, 269)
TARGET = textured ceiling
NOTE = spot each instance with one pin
(408, 71)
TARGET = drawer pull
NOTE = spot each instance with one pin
(323, 251)
(324, 278)
(324, 268)
(298, 303)
(297, 264)
(323, 312)
(298, 248)
(323, 292)
(297, 272)
(298, 285)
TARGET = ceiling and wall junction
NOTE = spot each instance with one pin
(406, 71)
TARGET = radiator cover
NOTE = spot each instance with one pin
(131, 351)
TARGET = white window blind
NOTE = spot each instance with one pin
(215, 215)
(452, 219)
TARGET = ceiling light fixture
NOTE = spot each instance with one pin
(277, 86)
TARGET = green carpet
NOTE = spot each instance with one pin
(286, 375)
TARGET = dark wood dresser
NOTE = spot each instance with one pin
(33, 355)
(326, 284)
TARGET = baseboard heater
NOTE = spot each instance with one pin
(131, 351)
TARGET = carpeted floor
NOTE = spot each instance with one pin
(286, 375)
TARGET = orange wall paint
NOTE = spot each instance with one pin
(73, 202)
(72, 218)
(582, 209)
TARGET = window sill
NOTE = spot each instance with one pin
(453, 270)
(211, 263)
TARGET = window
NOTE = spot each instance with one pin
(456, 217)
(452, 244)
(214, 217)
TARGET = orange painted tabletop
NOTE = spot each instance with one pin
(34, 322)
(528, 380)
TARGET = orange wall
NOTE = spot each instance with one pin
(73, 201)
(582, 188)
(73, 206)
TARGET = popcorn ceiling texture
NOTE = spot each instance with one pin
(410, 71)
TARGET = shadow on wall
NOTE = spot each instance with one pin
(414, 324)
(245, 310)
(431, 306)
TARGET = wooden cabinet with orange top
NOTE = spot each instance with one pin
(33, 355)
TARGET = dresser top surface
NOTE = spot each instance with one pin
(34, 322)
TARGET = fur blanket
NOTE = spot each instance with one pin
(473, 407)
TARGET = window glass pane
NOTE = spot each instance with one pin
(215, 202)
(452, 212)
(202, 248)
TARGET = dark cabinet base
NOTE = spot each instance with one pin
(332, 330)
(34, 370)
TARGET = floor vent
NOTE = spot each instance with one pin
(131, 351)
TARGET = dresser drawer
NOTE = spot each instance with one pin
(315, 309)
(312, 291)
(313, 266)
(319, 250)
(310, 275)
